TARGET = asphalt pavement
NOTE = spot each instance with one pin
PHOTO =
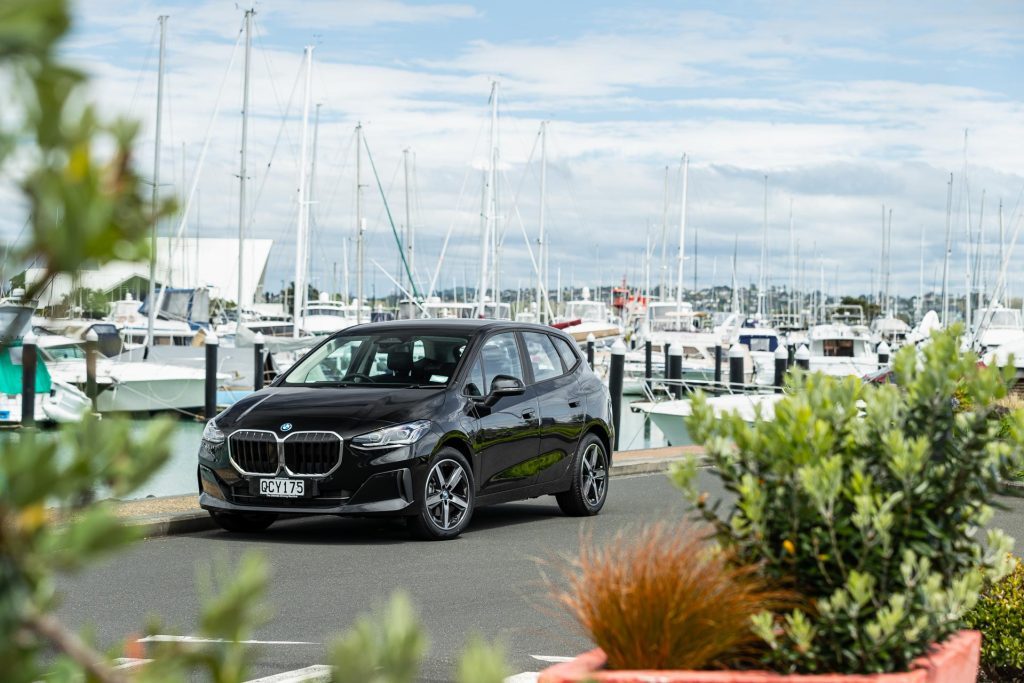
(327, 571)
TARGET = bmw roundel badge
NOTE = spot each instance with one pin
(286, 427)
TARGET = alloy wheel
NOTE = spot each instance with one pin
(594, 474)
(447, 494)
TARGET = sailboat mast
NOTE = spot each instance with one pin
(344, 271)
(359, 223)
(682, 242)
(496, 237)
(945, 260)
(792, 263)
(920, 282)
(970, 242)
(735, 288)
(647, 266)
(888, 264)
(408, 219)
(486, 218)
(242, 177)
(542, 290)
(311, 199)
(298, 296)
(151, 299)
(663, 271)
(764, 249)
(1001, 238)
(980, 283)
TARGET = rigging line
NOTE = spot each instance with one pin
(448, 234)
(533, 261)
(380, 212)
(553, 144)
(414, 299)
(515, 198)
(142, 72)
(394, 231)
(270, 76)
(1000, 283)
(273, 152)
(458, 206)
(199, 164)
(346, 158)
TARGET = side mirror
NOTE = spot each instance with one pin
(503, 385)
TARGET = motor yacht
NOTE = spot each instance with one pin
(839, 349)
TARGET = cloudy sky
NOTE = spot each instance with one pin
(846, 107)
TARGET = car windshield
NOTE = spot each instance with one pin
(392, 359)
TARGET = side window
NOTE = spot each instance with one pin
(569, 356)
(475, 381)
(500, 356)
(543, 356)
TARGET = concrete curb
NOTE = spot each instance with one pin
(157, 526)
(173, 524)
(1014, 485)
(651, 466)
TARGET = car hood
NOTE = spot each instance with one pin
(346, 410)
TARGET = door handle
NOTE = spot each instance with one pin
(529, 414)
(574, 403)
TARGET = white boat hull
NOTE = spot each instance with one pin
(128, 387)
(670, 416)
(64, 403)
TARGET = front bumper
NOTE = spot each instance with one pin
(384, 493)
(364, 482)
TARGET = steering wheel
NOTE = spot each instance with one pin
(360, 375)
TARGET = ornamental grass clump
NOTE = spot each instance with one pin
(665, 598)
(999, 615)
(868, 499)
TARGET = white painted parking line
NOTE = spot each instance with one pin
(525, 677)
(125, 663)
(311, 674)
(158, 638)
(551, 659)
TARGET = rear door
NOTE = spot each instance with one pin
(562, 407)
(506, 435)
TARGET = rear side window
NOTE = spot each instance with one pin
(543, 356)
(500, 356)
(567, 353)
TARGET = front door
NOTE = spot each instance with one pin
(506, 432)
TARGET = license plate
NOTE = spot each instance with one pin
(282, 488)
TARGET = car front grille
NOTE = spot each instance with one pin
(254, 452)
(311, 453)
(307, 454)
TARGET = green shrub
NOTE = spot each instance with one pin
(999, 616)
(866, 499)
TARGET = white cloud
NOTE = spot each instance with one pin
(627, 96)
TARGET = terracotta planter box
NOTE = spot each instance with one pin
(954, 661)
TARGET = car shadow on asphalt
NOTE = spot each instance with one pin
(332, 530)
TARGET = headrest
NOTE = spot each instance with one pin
(399, 361)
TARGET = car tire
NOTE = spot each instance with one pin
(243, 523)
(589, 488)
(444, 507)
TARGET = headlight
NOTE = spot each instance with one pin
(389, 437)
(211, 434)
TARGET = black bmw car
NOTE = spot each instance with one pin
(422, 419)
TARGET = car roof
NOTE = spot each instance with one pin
(464, 325)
